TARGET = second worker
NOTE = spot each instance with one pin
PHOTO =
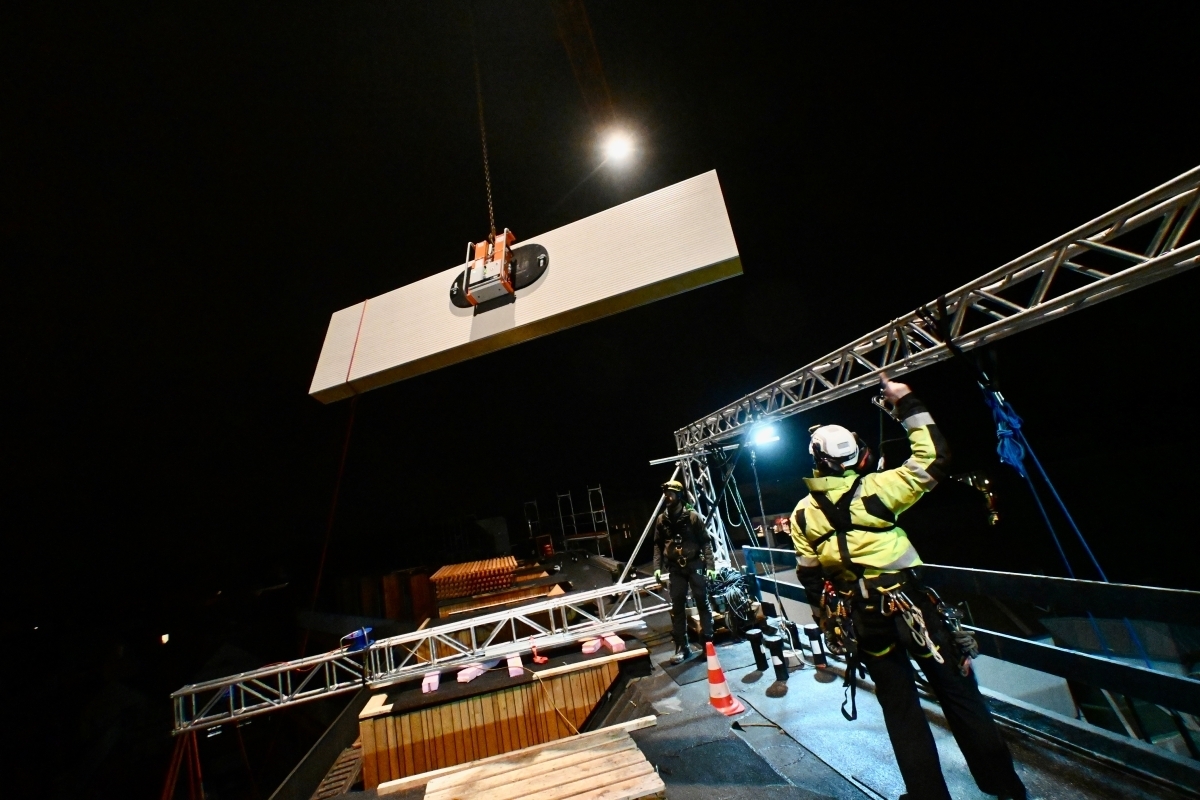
(682, 549)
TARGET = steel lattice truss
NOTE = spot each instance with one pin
(1136, 244)
(699, 480)
(545, 624)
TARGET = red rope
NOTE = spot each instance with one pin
(337, 488)
(194, 771)
(168, 791)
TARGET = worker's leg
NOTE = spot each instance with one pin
(912, 740)
(679, 588)
(969, 719)
(700, 595)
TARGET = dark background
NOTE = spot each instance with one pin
(192, 190)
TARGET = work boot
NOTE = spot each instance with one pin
(682, 654)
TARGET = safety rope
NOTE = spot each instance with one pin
(1012, 447)
(337, 489)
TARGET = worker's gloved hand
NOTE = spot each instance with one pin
(711, 574)
(892, 390)
(658, 575)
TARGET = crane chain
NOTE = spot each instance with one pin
(487, 173)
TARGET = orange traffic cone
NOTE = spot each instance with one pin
(718, 687)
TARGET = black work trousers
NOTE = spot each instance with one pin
(681, 578)
(966, 712)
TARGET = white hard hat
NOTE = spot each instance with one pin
(835, 442)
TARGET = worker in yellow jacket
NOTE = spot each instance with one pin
(857, 568)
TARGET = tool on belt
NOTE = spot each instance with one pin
(837, 622)
(962, 641)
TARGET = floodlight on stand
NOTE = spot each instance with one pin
(765, 435)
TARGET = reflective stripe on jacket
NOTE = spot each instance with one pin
(880, 499)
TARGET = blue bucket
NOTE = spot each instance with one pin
(358, 640)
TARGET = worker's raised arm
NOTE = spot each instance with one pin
(899, 488)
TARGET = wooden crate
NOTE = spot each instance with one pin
(403, 738)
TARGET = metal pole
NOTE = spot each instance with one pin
(657, 509)
(762, 513)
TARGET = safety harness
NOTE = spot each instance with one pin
(681, 533)
(840, 605)
(840, 520)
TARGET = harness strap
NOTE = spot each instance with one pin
(854, 670)
(838, 515)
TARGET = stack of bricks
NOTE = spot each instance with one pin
(474, 577)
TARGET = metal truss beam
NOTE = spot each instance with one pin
(1113, 254)
(698, 477)
(549, 623)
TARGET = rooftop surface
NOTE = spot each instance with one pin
(794, 741)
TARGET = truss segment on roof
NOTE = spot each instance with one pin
(545, 624)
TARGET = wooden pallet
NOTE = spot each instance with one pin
(343, 774)
(599, 765)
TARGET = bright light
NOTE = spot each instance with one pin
(166, 637)
(618, 147)
(766, 435)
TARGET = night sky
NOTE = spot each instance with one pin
(192, 189)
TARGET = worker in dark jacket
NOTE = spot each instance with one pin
(857, 568)
(682, 547)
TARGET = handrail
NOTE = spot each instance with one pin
(1068, 596)
(1173, 691)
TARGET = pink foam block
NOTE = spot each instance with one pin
(470, 673)
(592, 645)
(430, 682)
(515, 670)
(614, 643)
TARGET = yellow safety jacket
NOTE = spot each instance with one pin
(873, 544)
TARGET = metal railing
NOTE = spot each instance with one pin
(1109, 600)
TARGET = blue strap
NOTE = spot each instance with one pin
(1012, 447)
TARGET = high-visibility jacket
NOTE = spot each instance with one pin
(874, 545)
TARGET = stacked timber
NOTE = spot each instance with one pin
(599, 765)
(474, 577)
(405, 732)
(486, 601)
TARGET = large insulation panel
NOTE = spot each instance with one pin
(658, 245)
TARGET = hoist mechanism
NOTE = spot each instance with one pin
(488, 275)
(495, 270)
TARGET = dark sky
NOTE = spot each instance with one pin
(193, 188)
